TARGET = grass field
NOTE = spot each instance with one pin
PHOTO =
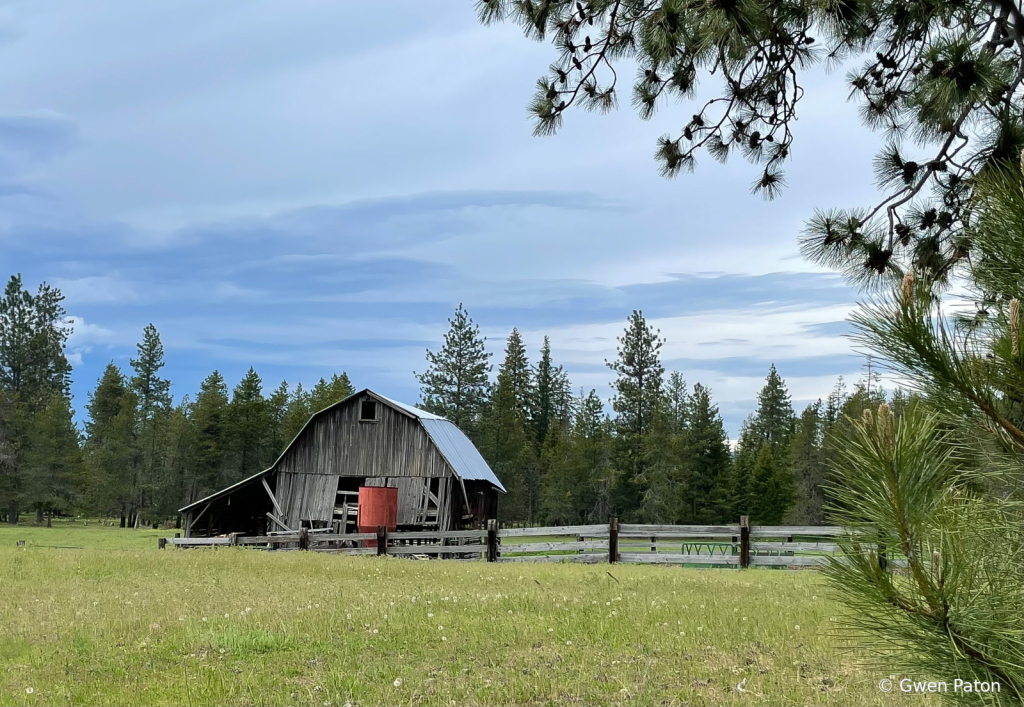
(120, 622)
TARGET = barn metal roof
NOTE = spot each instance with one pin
(462, 454)
(456, 447)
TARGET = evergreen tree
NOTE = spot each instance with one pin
(33, 371)
(637, 394)
(943, 482)
(775, 419)
(542, 409)
(771, 488)
(505, 439)
(707, 452)
(592, 435)
(277, 412)
(297, 413)
(747, 449)
(248, 425)
(946, 72)
(807, 462)
(111, 450)
(211, 423)
(772, 424)
(154, 405)
(326, 393)
(455, 383)
(53, 463)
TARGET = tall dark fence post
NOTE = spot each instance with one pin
(304, 538)
(161, 543)
(492, 540)
(744, 541)
(233, 538)
(613, 539)
(382, 540)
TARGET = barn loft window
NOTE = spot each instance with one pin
(367, 410)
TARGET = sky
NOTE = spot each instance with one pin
(313, 186)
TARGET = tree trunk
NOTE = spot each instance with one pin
(39, 516)
(12, 512)
(124, 519)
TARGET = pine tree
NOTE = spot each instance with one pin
(946, 72)
(771, 488)
(111, 449)
(53, 463)
(154, 405)
(277, 411)
(248, 424)
(505, 440)
(775, 419)
(747, 449)
(637, 394)
(33, 370)
(807, 462)
(592, 435)
(211, 422)
(542, 408)
(455, 383)
(297, 413)
(326, 393)
(707, 452)
(943, 483)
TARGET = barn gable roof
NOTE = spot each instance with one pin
(460, 453)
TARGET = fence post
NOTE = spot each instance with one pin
(232, 538)
(744, 541)
(382, 540)
(492, 540)
(613, 539)
(304, 538)
(161, 543)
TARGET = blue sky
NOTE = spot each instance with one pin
(313, 186)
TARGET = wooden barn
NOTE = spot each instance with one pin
(364, 440)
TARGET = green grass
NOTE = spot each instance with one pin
(102, 625)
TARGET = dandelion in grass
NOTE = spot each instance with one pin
(397, 682)
(29, 690)
(375, 630)
(444, 638)
(568, 643)
(797, 627)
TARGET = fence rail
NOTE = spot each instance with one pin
(737, 546)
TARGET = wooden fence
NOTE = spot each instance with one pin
(739, 546)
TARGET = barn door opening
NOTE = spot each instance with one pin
(346, 505)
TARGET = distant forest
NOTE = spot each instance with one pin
(661, 456)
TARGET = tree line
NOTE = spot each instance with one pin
(661, 455)
(139, 456)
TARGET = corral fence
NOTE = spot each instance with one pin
(739, 546)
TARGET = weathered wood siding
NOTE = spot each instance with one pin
(394, 451)
(337, 443)
(306, 497)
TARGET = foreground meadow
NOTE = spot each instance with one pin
(120, 622)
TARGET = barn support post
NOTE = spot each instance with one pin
(304, 538)
(613, 539)
(744, 541)
(382, 540)
(492, 540)
(233, 539)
